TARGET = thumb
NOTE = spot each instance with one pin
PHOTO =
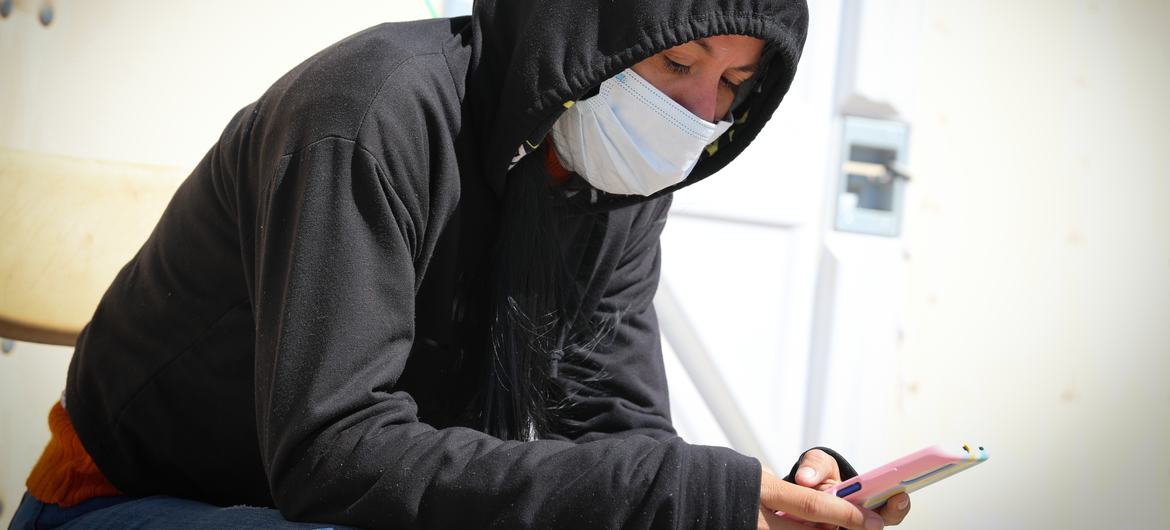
(808, 476)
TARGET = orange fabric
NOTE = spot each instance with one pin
(552, 164)
(65, 474)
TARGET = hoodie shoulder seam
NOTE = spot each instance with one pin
(382, 86)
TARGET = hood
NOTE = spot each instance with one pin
(536, 55)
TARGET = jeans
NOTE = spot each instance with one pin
(157, 511)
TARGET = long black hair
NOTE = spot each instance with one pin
(534, 307)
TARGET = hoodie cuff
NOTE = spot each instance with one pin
(847, 471)
(722, 490)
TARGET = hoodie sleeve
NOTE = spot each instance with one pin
(619, 387)
(846, 469)
(334, 308)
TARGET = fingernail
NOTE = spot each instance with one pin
(902, 505)
(807, 473)
(874, 524)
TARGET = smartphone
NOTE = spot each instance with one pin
(911, 472)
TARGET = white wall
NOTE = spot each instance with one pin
(155, 82)
(748, 288)
(1038, 316)
(858, 311)
(1035, 260)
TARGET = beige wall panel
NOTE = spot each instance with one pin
(1039, 273)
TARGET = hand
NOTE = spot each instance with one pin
(819, 471)
(811, 506)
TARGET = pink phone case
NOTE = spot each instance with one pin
(911, 472)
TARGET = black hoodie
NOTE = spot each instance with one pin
(297, 331)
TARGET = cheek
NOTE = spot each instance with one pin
(654, 75)
(724, 103)
(699, 94)
(675, 87)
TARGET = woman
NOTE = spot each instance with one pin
(410, 287)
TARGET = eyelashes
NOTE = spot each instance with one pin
(676, 67)
(683, 69)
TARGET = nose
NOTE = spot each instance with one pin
(701, 97)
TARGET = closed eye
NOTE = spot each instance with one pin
(677, 68)
(683, 69)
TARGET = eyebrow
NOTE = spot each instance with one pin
(747, 68)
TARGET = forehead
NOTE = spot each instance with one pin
(724, 47)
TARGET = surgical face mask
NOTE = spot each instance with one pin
(631, 139)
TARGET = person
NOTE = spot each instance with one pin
(411, 287)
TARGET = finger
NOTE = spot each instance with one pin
(895, 509)
(772, 521)
(823, 526)
(819, 507)
(817, 466)
(827, 485)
